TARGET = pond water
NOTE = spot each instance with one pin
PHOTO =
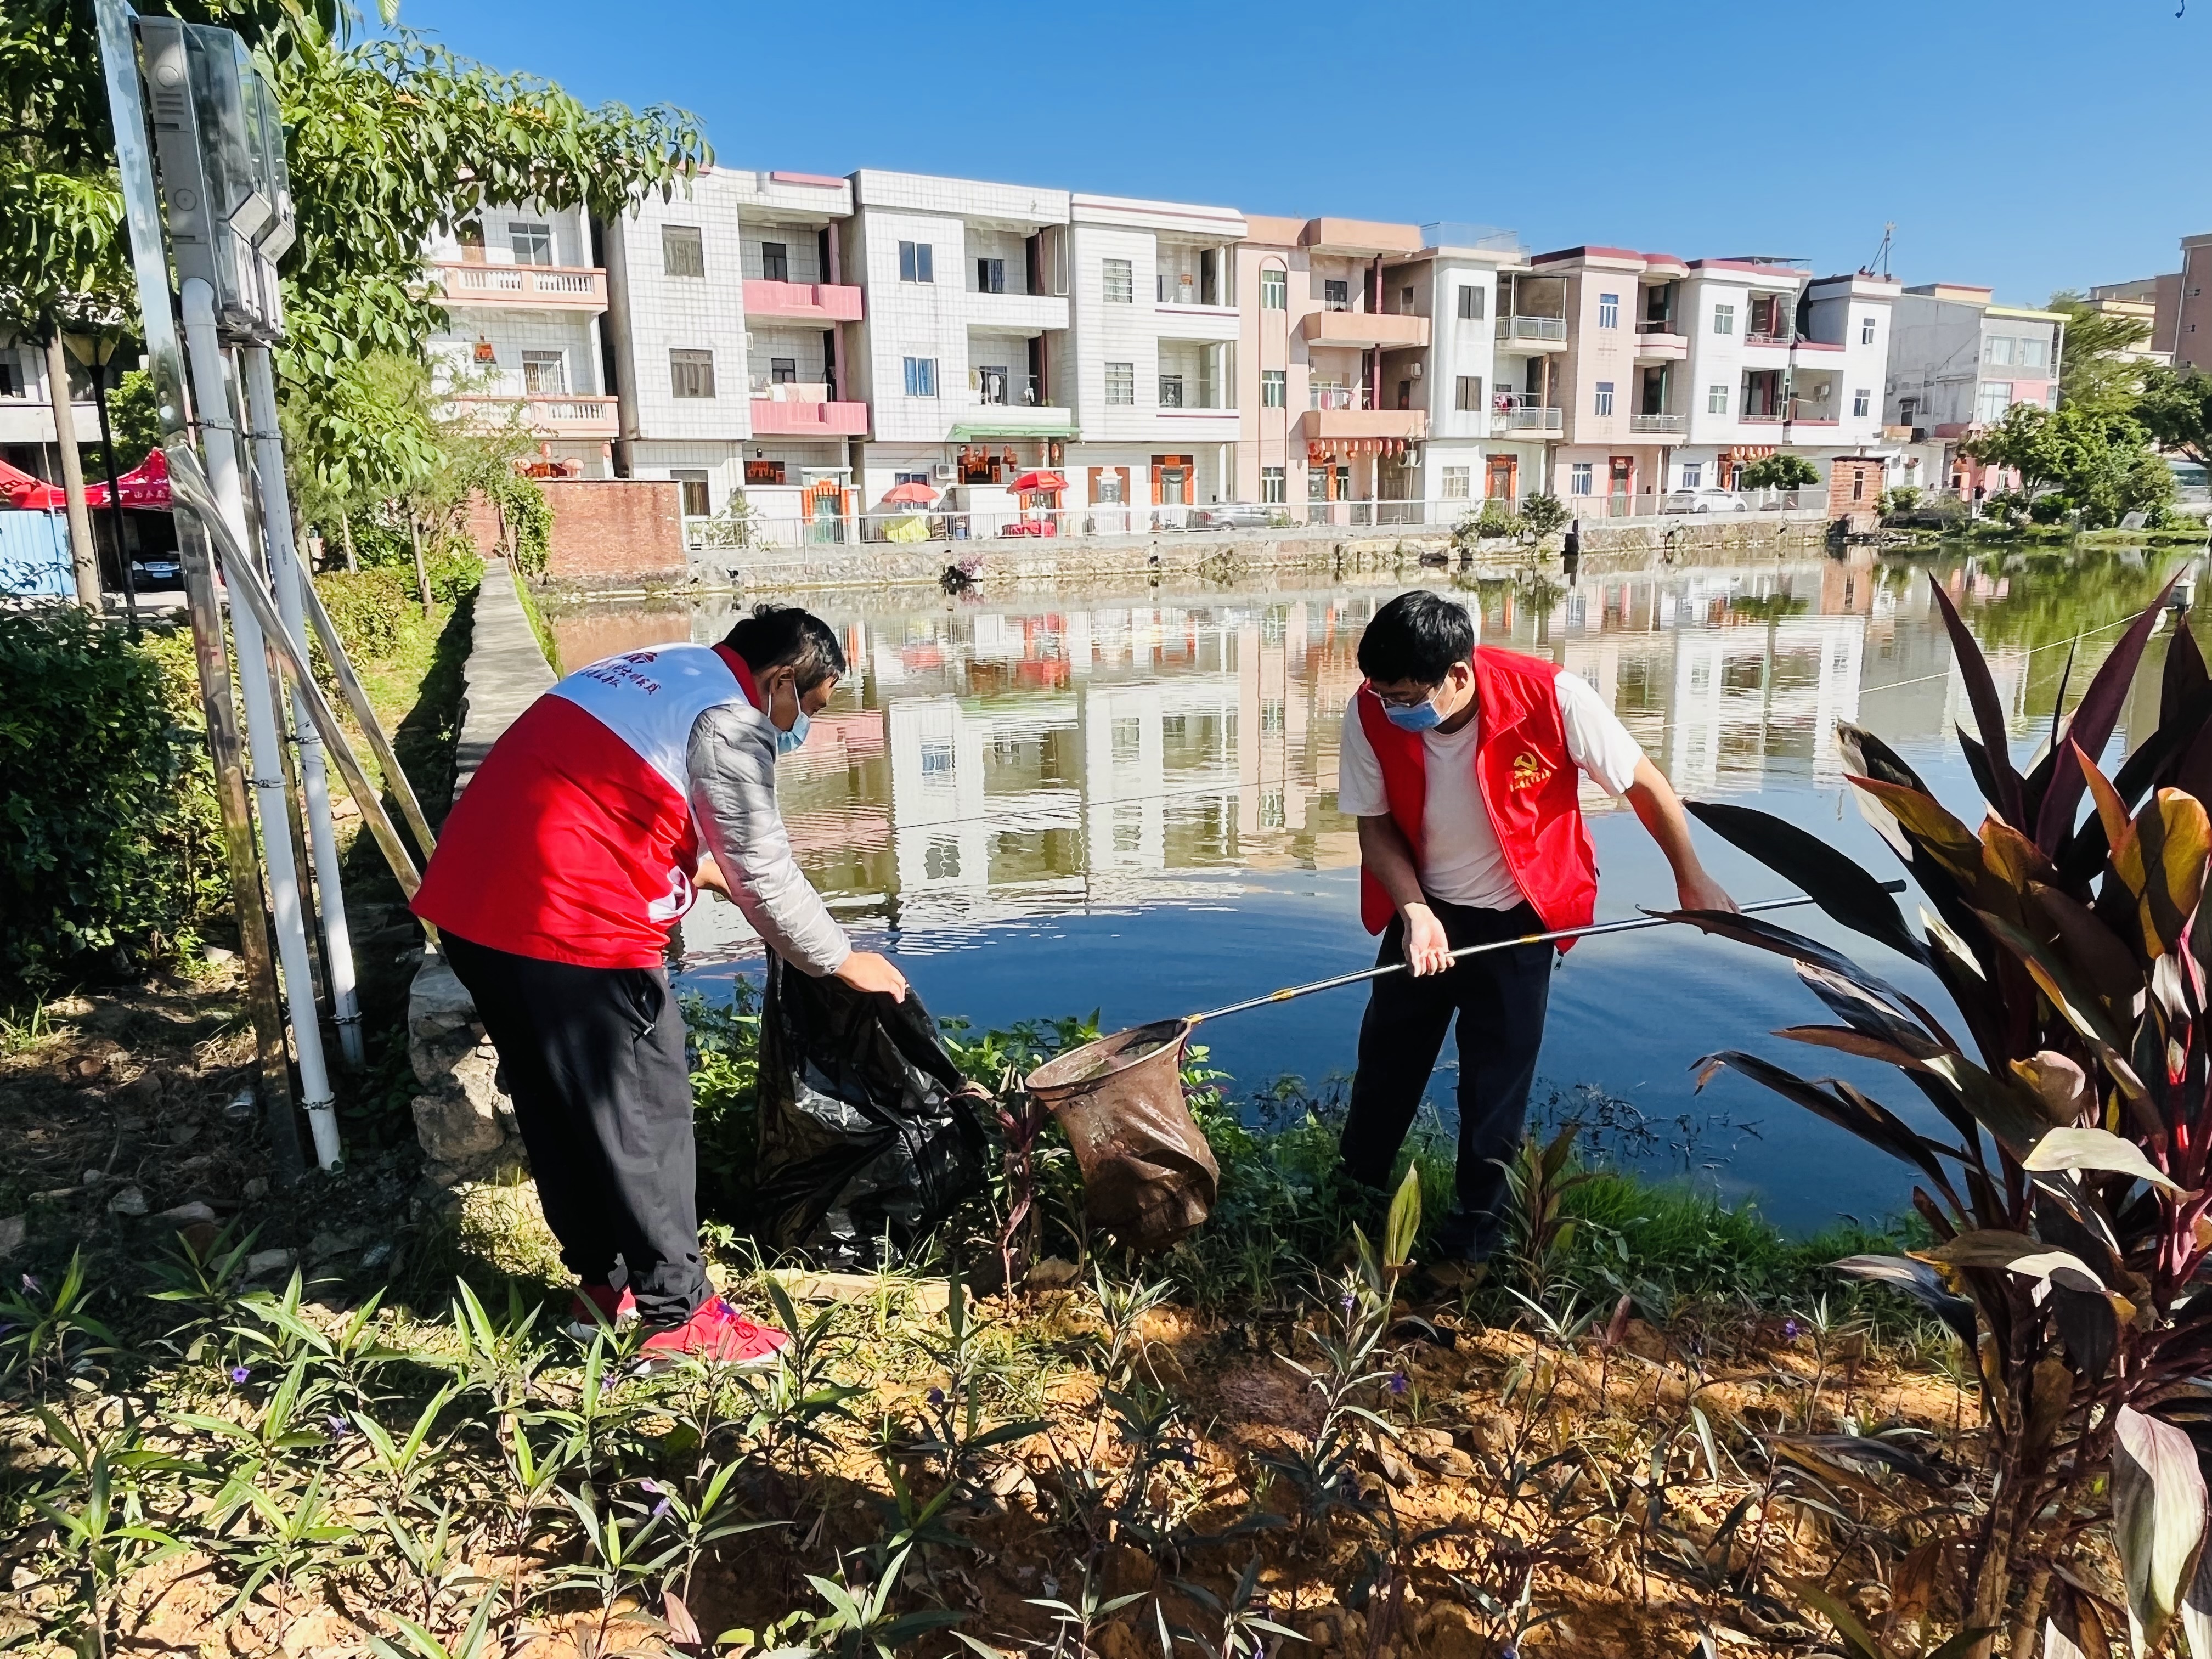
(1124, 800)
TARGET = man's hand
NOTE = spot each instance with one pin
(1427, 949)
(1698, 891)
(709, 876)
(864, 970)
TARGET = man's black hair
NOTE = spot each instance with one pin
(1417, 637)
(776, 635)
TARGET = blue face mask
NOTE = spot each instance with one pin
(790, 742)
(1422, 716)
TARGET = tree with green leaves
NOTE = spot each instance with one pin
(1784, 470)
(2176, 409)
(2098, 463)
(2099, 369)
(390, 142)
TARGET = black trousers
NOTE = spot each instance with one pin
(594, 1058)
(1499, 998)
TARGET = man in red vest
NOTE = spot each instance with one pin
(576, 847)
(1464, 765)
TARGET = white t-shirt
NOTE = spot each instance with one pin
(1462, 862)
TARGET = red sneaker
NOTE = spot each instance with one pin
(616, 1307)
(716, 1334)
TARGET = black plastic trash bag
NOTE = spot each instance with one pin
(866, 1127)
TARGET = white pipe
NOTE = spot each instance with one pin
(286, 575)
(219, 443)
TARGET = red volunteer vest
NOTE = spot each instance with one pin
(574, 842)
(1529, 782)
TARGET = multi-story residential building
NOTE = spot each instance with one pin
(26, 412)
(962, 356)
(1150, 369)
(1326, 346)
(1957, 362)
(2181, 314)
(1675, 375)
(1485, 435)
(730, 341)
(2154, 301)
(524, 298)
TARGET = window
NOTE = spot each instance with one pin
(921, 377)
(1274, 290)
(1274, 388)
(1604, 397)
(1723, 320)
(775, 262)
(1693, 475)
(917, 264)
(2033, 352)
(1581, 478)
(909, 477)
(1117, 282)
(1470, 304)
(1862, 403)
(1866, 330)
(1121, 378)
(532, 243)
(1467, 391)
(1405, 302)
(1608, 311)
(1317, 483)
(1458, 483)
(2051, 395)
(1171, 391)
(11, 373)
(1859, 484)
(1996, 398)
(1997, 348)
(1716, 400)
(990, 275)
(783, 371)
(691, 373)
(1274, 487)
(693, 487)
(1335, 295)
(683, 251)
(545, 373)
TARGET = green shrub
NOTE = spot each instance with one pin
(1542, 515)
(454, 570)
(110, 840)
(1902, 499)
(368, 607)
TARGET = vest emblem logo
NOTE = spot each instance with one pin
(1530, 771)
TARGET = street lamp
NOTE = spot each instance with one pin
(95, 351)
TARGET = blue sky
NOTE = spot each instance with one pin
(2028, 146)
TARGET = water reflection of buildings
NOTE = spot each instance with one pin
(989, 762)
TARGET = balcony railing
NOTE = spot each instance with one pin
(1761, 337)
(1525, 417)
(811, 302)
(557, 414)
(1545, 329)
(809, 416)
(1027, 389)
(1658, 424)
(580, 288)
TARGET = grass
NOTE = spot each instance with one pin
(547, 642)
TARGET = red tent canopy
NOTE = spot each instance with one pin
(146, 485)
(24, 491)
(1038, 484)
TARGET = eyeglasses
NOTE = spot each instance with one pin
(1412, 702)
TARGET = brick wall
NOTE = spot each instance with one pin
(1842, 472)
(614, 531)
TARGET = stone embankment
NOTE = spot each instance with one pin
(1628, 544)
(463, 1117)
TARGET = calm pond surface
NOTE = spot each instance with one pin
(1124, 798)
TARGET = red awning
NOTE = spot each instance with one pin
(1031, 484)
(24, 491)
(145, 486)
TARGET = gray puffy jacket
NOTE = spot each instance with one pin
(731, 762)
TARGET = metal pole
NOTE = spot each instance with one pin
(83, 556)
(119, 58)
(287, 576)
(364, 715)
(219, 442)
(115, 498)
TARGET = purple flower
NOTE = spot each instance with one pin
(1345, 1302)
(936, 1396)
(1790, 1330)
(337, 1425)
(240, 1373)
(660, 1508)
(1397, 1383)
(650, 1485)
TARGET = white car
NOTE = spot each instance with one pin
(1703, 501)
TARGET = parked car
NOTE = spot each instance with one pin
(1703, 501)
(160, 571)
(1231, 515)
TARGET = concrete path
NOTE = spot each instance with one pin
(505, 674)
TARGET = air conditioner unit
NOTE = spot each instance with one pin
(944, 472)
